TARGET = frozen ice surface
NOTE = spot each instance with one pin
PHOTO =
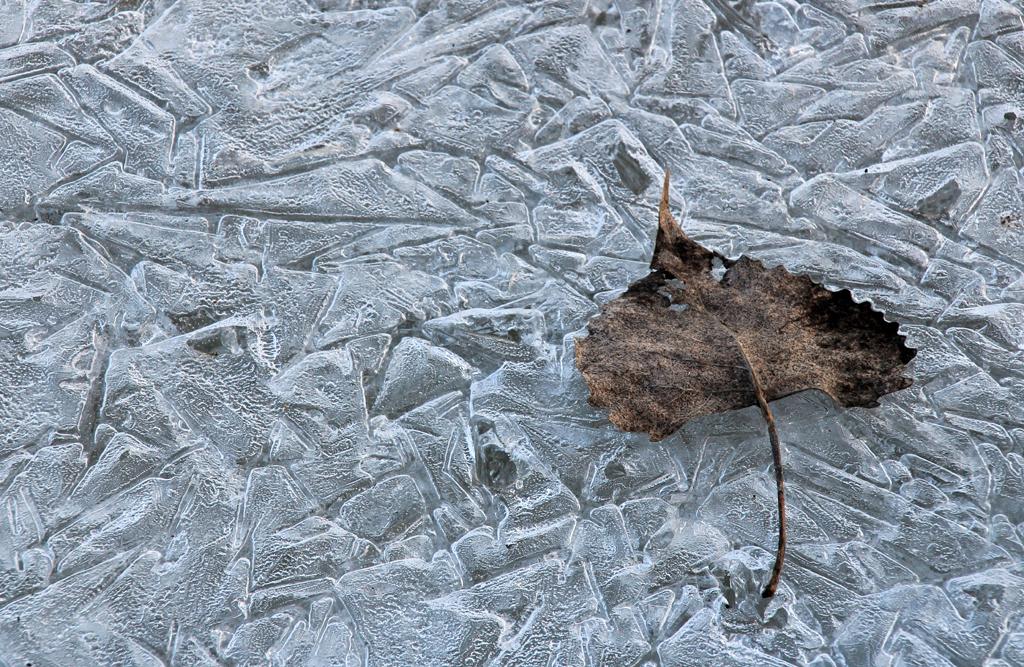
(288, 294)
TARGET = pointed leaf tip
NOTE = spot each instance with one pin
(666, 223)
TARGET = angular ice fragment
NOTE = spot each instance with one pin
(417, 372)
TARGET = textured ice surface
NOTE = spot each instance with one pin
(288, 292)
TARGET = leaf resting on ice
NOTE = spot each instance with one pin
(680, 343)
(693, 339)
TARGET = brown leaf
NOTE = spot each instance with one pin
(682, 343)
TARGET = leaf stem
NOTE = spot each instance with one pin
(780, 485)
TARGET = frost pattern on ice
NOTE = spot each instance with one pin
(289, 292)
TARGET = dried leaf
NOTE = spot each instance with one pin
(689, 340)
